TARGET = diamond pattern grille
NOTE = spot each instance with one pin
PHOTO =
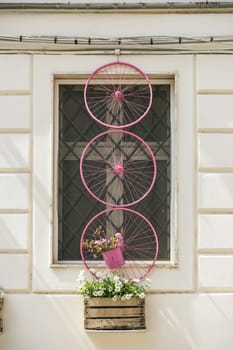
(75, 205)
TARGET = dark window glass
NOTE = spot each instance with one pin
(75, 205)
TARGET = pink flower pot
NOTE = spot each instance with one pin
(113, 258)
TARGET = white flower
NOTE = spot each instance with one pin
(81, 276)
(108, 274)
(99, 274)
(114, 298)
(147, 282)
(107, 282)
(136, 280)
(81, 279)
(118, 285)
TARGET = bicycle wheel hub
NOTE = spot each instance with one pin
(118, 95)
(118, 168)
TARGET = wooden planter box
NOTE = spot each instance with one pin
(104, 314)
(1, 312)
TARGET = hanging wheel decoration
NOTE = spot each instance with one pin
(121, 240)
(118, 95)
(118, 168)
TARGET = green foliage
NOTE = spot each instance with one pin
(101, 243)
(110, 286)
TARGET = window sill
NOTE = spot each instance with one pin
(78, 265)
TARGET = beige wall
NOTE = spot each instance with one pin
(191, 306)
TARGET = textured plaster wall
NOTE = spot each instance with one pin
(198, 319)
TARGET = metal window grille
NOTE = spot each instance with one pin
(75, 206)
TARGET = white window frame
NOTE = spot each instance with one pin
(176, 274)
(158, 80)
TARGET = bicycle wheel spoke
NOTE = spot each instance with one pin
(139, 244)
(118, 95)
(122, 163)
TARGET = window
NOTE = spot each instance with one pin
(75, 206)
(50, 72)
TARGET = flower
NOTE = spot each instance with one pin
(101, 243)
(118, 235)
(112, 286)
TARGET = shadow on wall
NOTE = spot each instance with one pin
(174, 321)
(181, 321)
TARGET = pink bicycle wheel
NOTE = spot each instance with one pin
(118, 95)
(136, 238)
(118, 168)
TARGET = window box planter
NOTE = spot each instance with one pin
(104, 314)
